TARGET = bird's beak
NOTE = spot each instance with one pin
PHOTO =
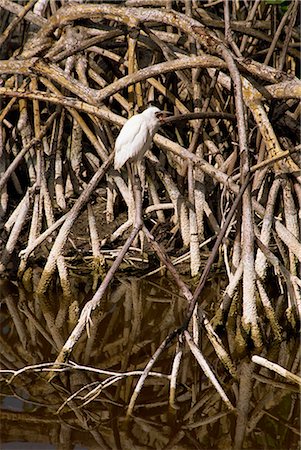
(163, 115)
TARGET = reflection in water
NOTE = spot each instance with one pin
(84, 405)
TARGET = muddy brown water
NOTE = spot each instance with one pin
(84, 406)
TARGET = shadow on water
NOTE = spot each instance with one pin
(85, 405)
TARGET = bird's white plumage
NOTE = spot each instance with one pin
(136, 136)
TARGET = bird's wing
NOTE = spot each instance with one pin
(132, 140)
(128, 131)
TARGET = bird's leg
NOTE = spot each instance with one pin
(141, 173)
(137, 196)
(138, 202)
(131, 206)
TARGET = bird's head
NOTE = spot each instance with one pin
(155, 114)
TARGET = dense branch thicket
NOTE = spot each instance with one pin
(72, 73)
(83, 67)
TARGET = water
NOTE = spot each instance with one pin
(84, 407)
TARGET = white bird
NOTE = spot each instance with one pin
(136, 136)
